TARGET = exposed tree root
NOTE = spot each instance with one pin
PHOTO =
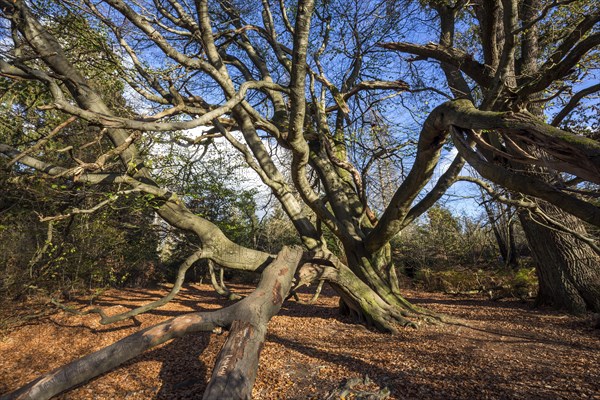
(382, 308)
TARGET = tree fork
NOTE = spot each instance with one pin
(382, 280)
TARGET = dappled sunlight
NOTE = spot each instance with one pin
(510, 350)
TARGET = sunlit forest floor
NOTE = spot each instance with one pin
(510, 350)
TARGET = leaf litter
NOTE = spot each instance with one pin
(509, 351)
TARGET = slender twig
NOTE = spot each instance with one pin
(42, 141)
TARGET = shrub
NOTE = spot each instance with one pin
(521, 284)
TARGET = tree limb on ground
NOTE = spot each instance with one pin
(235, 370)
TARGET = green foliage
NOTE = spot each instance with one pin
(275, 231)
(212, 185)
(115, 246)
(458, 255)
(444, 241)
(449, 281)
(496, 284)
(523, 283)
(232, 210)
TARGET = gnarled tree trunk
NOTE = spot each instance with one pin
(369, 292)
(568, 270)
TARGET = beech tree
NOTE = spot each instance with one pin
(295, 78)
(511, 61)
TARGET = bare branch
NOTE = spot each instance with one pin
(451, 56)
(439, 189)
(114, 122)
(573, 102)
(506, 66)
(432, 137)
(42, 141)
(568, 54)
(518, 202)
(542, 15)
(113, 197)
(526, 184)
(285, 18)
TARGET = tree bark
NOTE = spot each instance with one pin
(568, 270)
(236, 367)
(369, 292)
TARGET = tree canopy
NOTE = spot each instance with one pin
(343, 111)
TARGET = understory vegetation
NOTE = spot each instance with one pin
(115, 247)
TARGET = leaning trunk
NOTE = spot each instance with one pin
(568, 270)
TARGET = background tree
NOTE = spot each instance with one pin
(502, 221)
(317, 143)
(114, 246)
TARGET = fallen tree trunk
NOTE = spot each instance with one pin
(235, 370)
